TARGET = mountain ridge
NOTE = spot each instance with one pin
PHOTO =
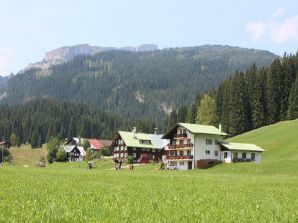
(135, 85)
(67, 53)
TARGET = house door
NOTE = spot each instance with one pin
(189, 165)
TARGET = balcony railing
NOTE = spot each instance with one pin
(120, 151)
(181, 146)
(188, 157)
(181, 135)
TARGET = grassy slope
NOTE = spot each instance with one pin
(247, 192)
(24, 155)
(279, 141)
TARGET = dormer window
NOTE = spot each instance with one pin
(147, 142)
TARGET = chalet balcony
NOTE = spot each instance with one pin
(180, 146)
(188, 157)
(120, 151)
(182, 135)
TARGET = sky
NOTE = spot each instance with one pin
(29, 29)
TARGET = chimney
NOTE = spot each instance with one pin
(155, 131)
(220, 127)
(134, 132)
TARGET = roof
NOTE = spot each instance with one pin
(98, 144)
(94, 143)
(241, 146)
(196, 129)
(68, 149)
(156, 140)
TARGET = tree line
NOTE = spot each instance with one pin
(35, 122)
(251, 99)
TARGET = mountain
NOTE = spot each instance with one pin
(67, 53)
(135, 85)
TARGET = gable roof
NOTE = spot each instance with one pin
(68, 149)
(98, 144)
(197, 129)
(156, 140)
(241, 146)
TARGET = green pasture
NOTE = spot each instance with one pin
(241, 192)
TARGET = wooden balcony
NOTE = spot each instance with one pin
(188, 157)
(182, 135)
(180, 146)
(120, 151)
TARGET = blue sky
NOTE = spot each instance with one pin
(31, 28)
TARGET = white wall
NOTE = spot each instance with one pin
(201, 147)
(228, 159)
(181, 165)
(239, 155)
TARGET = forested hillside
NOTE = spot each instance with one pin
(249, 100)
(135, 85)
(37, 120)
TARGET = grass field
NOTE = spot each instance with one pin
(242, 192)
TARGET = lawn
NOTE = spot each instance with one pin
(242, 192)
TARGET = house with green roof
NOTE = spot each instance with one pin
(142, 146)
(201, 146)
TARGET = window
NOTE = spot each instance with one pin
(216, 153)
(181, 163)
(243, 155)
(188, 141)
(173, 153)
(174, 142)
(208, 141)
(153, 150)
(235, 155)
(188, 152)
(181, 153)
(134, 148)
(184, 131)
(134, 155)
(216, 141)
(147, 142)
(181, 142)
(207, 152)
(253, 156)
(225, 155)
(180, 131)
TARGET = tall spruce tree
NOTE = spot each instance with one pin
(274, 92)
(293, 101)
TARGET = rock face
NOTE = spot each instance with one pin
(67, 53)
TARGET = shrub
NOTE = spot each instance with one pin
(61, 155)
(6, 155)
(52, 146)
(162, 165)
(105, 151)
(130, 159)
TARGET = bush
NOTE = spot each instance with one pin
(162, 166)
(6, 155)
(61, 155)
(89, 154)
(105, 151)
(130, 159)
(52, 145)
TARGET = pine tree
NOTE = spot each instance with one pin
(274, 92)
(293, 101)
(34, 140)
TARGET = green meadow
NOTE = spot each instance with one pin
(241, 192)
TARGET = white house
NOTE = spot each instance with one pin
(201, 146)
(74, 153)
